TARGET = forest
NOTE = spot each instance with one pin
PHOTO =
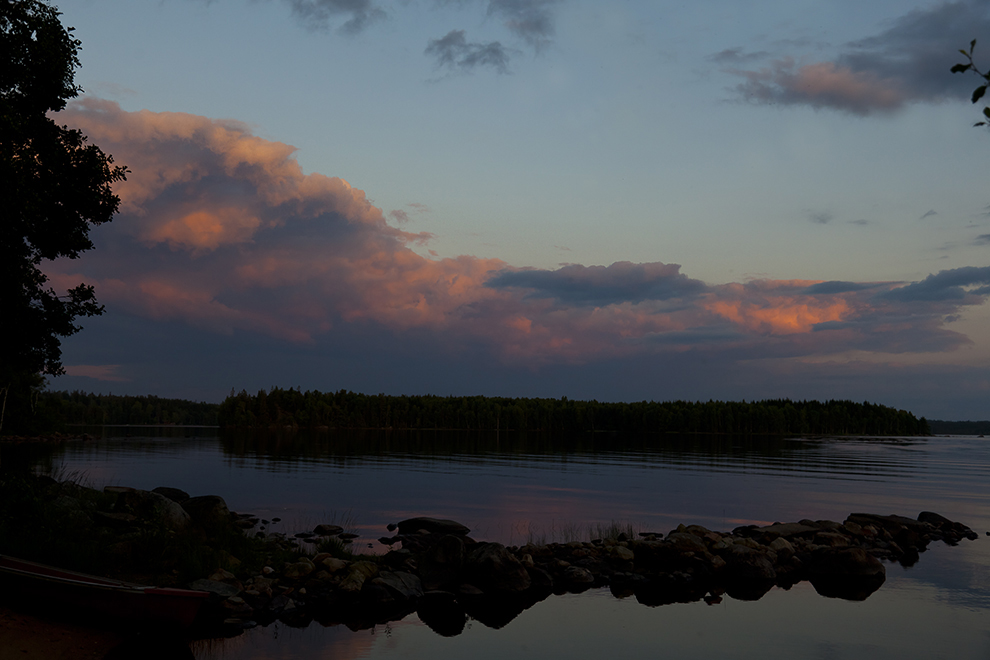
(74, 408)
(292, 408)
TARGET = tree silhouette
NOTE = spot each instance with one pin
(55, 187)
(982, 89)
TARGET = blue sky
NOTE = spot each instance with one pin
(621, 201)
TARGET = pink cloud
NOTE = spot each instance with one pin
(104, 372)
(823, 85)
(223, 230)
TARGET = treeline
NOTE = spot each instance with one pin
(100, 409)
(942, 427)
(281, 408)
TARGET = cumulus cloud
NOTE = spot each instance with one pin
(454, 51)
(969, 285)
(222, 230)
(907, 62)
(602, 285)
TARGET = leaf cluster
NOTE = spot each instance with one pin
(980, 91)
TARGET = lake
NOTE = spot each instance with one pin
(515, 488)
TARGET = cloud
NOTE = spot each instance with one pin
(838, 287)
(531, 20)
(737, 56)
(928, 214)
(602, 285)
(955, 285)
(222, 231)
(820, 217)
(906, 63)
(103, 372)
(320, 14)
(453, 51)
(982, 239)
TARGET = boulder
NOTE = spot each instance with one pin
(174, 494)
(298, 570)
(785, 530)
(686, 542)
(621, 553)
(440, 565)
(327, 530)
(843, 562)
(494, 569)
(153, 508)
(747, 564)
(400, 585)
(575, 575)
(207, 511)
(358, 573)
(433, 525)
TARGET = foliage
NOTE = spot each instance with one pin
(941, 427)
(56, 186)
(99, 409)
(293, 408)
(980, 91)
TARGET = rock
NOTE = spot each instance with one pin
(621, 554)
(175, 494)
(440, 566)
(298, 570)
(434, 525)
(782, 547)
(844, 562)
(832, 539)
(747, 564)
(358, 573)
(401, 585)
(333, 565)
(207, 511)
(152, 508)
(785, 530)
(327, 530)
(685, 542)
(495, 570)
(576, 575)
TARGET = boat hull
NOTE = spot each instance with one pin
(93, 598)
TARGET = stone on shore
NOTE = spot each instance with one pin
(494, 569)
(207, 511)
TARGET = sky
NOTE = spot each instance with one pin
(619, 201)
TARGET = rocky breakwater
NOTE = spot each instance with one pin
(434, 568)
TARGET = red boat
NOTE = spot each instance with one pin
(109, 601)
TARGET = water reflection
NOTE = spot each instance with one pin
(513, 488)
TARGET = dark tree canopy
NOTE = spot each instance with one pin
(55, 187)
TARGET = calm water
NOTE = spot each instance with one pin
(512, 489)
